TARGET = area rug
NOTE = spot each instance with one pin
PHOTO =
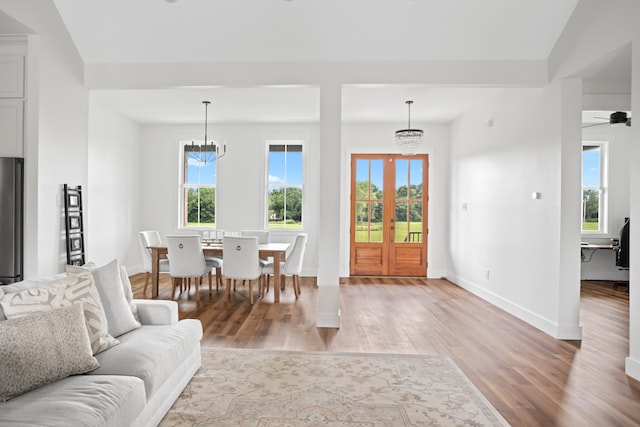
(239, 387)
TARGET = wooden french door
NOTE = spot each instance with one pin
(389, 212)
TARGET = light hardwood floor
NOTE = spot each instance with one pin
(529, 377)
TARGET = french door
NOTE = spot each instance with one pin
(389, 201)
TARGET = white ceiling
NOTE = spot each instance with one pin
(197, 31)
(125, 31)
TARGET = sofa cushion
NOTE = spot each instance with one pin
(68, 290)
(42, 348)
(81, 400)
(107, 279)
(151, 352)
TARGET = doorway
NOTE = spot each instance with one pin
(389, 215)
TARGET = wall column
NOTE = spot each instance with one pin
(632, 363)
(329, 212)
(568, 325)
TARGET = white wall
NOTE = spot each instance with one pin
(57, 144)
(240, 183)
(112, 201)
(379, 138)
(504, 244)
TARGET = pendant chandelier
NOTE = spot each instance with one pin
(207, 152)
(408, 140)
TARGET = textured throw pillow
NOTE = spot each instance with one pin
(128, 292)
(107, 279)
(69, 290)
(41, 348)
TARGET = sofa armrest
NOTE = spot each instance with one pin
(157, 312)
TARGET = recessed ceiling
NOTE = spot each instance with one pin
(360, 104)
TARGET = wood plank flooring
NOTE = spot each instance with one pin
(529, 377)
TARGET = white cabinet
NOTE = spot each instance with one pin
(11, 127)
(12, 97)
(11, 76)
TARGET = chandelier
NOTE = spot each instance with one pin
(207, 152)
(408, 140)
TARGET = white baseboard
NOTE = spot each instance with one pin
(562, 332)
(632, 367)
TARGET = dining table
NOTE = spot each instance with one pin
(276, 250)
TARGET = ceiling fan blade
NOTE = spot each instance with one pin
(594, 124)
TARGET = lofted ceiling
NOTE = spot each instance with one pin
(199, 31)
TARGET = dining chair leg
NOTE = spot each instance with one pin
(147, 278)
(296, 285)
(218, 277)
(227, 291)
(198, 283)
(250, 292)
(173, 287)
(210, 283)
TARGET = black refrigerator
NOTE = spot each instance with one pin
(11, 219)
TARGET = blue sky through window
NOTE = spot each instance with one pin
(591, 167)
(292, 161)
(199, 172)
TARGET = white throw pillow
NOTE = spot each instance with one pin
(67, 291)
(120, 320)
(42, 348)
(128, 292)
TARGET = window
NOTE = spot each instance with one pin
(284, 189)
(594, 196)
(199, 186)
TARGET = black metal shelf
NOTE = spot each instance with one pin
(74, 225)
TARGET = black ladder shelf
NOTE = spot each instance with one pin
(74, 224)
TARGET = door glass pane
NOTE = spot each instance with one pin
(377, 179)
(415, 178)
(362, 179)
(376, 222)
(401, 222)
(415, 222)
(402, 173)
(362, 222)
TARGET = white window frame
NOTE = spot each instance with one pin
(182, 220)
(603, 189)
(285, 140)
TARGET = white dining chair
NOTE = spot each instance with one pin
(292, 266)
(215, 261)
(150, 238)
(241, 262)
(188, 261)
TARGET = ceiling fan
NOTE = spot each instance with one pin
(618, 118)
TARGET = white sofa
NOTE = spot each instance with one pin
(136, 384)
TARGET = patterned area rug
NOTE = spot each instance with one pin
(237, 387)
